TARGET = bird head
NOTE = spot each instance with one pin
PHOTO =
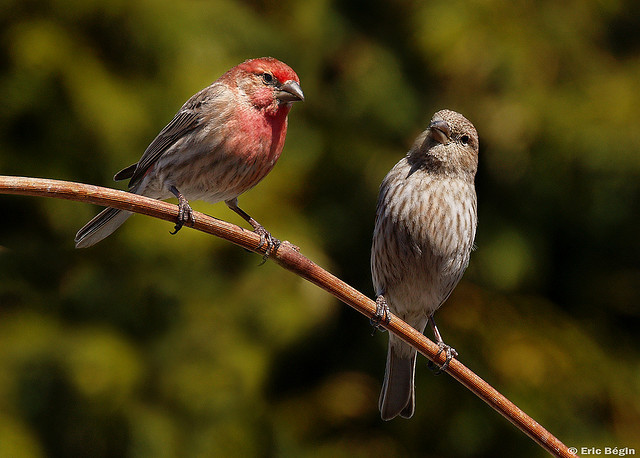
(449, 144)
(269, 84)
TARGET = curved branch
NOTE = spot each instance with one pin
(288, 257)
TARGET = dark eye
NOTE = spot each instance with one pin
(267, 78)
(464, 139)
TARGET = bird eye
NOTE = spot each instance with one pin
(267, 78)
(464, 139)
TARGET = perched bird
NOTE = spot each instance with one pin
(222, 142)
(425, 226)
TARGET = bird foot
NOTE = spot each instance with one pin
(381, 315)
(450, 353)
(267, 239)
(185, 215)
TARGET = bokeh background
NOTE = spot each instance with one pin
(150, 345)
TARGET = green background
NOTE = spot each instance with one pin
(149, 345)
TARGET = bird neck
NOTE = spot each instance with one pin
(436, 166)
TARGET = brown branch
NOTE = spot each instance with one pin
(288, 257)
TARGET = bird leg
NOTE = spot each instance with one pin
(266, 238)
(185, 213)
(449, 351)
(381, 315)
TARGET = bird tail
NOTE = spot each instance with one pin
(398, 392)
(100, 227)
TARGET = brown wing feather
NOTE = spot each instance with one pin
(125, 173)
(188, 118)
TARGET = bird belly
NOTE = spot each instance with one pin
(211, 175)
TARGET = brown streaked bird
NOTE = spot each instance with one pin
(424, 231)
(221, 143)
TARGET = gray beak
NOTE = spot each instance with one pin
(440, 131)
(290, 91)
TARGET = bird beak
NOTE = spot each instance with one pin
(290, 91)
(440, 131)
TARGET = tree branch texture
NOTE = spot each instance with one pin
(288, 257)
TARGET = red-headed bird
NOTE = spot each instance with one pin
(222, 142)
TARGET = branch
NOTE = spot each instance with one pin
(288, 257)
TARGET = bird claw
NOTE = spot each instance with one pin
(381, 315)
(185, 215)
(269, 240)
(450, 353)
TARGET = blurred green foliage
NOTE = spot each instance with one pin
(152, 345)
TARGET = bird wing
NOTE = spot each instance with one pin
(188, 118)
(183, 122)
(125, 173)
